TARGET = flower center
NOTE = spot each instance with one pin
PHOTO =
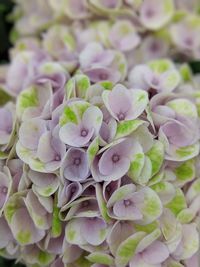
(3, 190)
(85, 204)
(103, 76)
(115, 158)
(73, 190)
(150, 13)
(84, 133)
(77, 161)
(155, 81)
(154, 47)
(9, 129)
(57, 158)
(121, 116)
(108, 189)
(127, 202)
(189, 41)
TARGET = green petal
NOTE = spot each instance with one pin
(26, 99)
(101, 258)
(56, 222)
(92, 150)
(73, 112)
(148, 228)
(183, 107)
(102, 204)
(186, 73)
(121, 193)
(73, 232)
(160, 65)
(77, 86)
(186, 216)
(156, 155)
(152, 206)
(194, 190)
(185, 173)
(188, 152)
(127, 249)
(125, 128)
(148, 240)
(178, 203)
(165, 190)
(136, 166)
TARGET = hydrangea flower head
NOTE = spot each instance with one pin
(99, 135)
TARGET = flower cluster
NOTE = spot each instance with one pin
(99, 167)
(100, 135)
(144, 29)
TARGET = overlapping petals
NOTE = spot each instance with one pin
(99, 135)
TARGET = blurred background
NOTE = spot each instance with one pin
(5, 29)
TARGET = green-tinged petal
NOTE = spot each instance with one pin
(56, 222)
(81, 262)
(186, 73)
(68, 116)
(169, 225)
(161, 65)
(127, 249)
(26, 99)
(101, 258)
(183, 153)
(47, 190)
(121, 193)
(44, 258)
(148, 240)
(148, 228)
(186, 216)
(165, 190)
(92, 150)
(12, 205)
(73, 232)
(193, 190)
(73, 112)
(190, 241)
(178, 203)
(156, 178)
(172, 80)
(173, 263)
(102, 204)
(183, 107)
(77, 86)
(137, 164)
(185, 172)
(156, 155)
(82, 84)
(23, 153)
(37, 165)
(145, 174)
(152, 206)
(127, 127)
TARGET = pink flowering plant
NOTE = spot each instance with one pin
(99, 167)
(99, 135)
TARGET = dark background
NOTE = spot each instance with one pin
(5, 28)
